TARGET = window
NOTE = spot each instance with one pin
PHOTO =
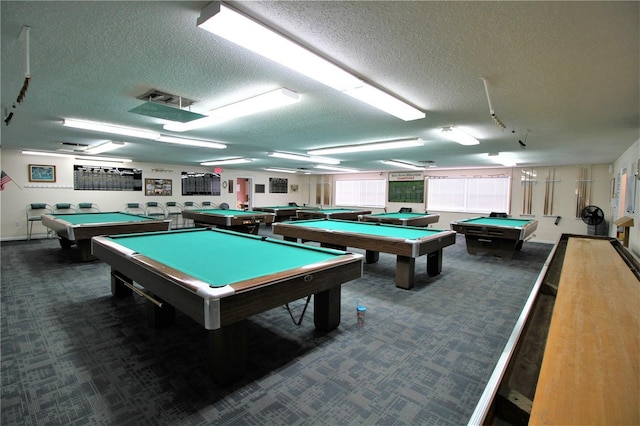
(469, 194)
(369, 193)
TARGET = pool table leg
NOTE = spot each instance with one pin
(372, 256)
(160, 316)
(434, 263)
(326, 309)
(405, 272)
(227, 356)
(84, 246)
(118, 289)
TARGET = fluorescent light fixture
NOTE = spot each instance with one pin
(271, 169)
(191, 142)
(270, 100)
(402, 164)
(298, 157)
(228, 161)
(505, 161)
(109, 128)
(83, 157)
(108, 159)
(266, 101)
(227, 23)
(191, 125)
(385, 102)
(46, 154)
(459, 136)
(105, 147)
(377, 146)
(336, 169)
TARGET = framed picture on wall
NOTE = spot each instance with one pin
(42, 173)
(157, 187)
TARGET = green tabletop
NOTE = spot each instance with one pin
(100, 217)
(369, 228)
(220, 257)
(227, 212)
(397, 215)
(338, 210)
(496, 221)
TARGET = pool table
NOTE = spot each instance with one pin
(405, 219)
(79, 228)
(238, 220)
(346, 214)
(406, 242)
(283, 212)
(238, 275)
(501, 236)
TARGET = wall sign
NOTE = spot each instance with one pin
(100, 178)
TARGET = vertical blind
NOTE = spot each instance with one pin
(369, 192)
(469, 194)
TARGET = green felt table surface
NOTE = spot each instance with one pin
(220, 258)
(227, 212)
(100, 217)
(370, 228)
(496, 221)
(397, 215)
(338, 210)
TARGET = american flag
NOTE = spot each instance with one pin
(4, 179)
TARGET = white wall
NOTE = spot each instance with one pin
(629, 160)
(15, 197)
(564, 198)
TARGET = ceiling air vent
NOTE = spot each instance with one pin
(72, 147)
(165, 106)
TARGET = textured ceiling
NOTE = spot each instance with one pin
(565, 75)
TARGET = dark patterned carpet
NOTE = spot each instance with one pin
(73, 355)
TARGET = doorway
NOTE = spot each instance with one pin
(244, 193)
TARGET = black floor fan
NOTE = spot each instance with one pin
(593, 216)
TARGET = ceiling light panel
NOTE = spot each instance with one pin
(376, 146)
(225, 22)
(109, 128)
(226, 162)
(298, 157)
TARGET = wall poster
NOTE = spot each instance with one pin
(157, 187)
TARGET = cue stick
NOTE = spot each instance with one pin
(138, 291)
(524, 193)
(553, 188)
(530, 193)
(546, 194)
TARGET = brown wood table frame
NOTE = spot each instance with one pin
(406, 250)
(223, 310)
